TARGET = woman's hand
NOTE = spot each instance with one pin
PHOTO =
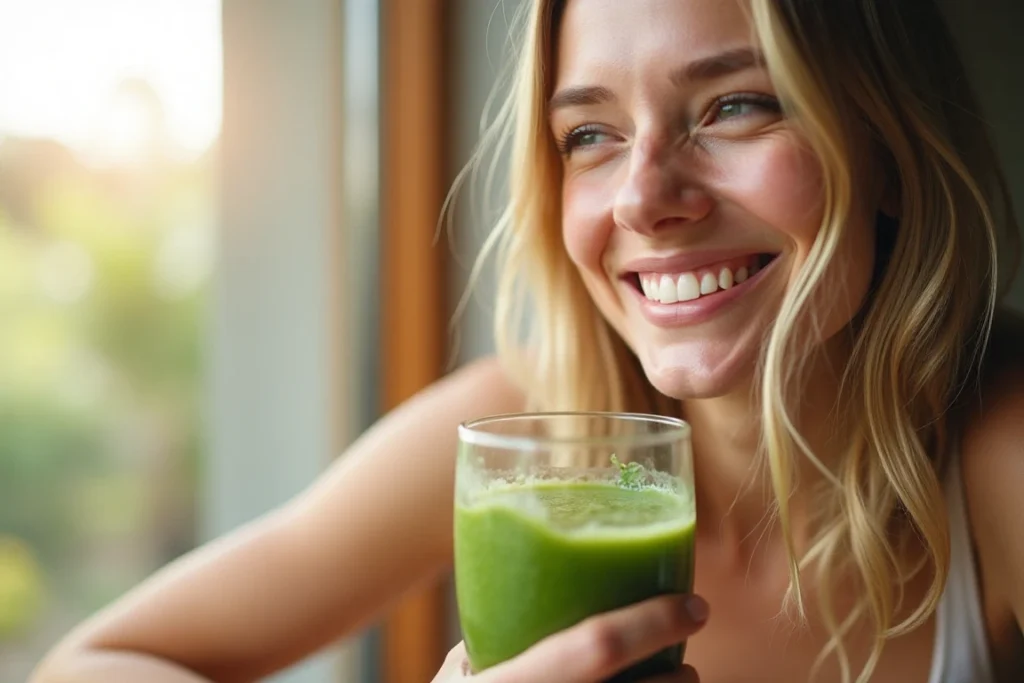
(597, 648)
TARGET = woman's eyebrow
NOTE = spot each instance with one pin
(716, 66)
(706, 68)
(579, 96)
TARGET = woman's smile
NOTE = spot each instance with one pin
(668, 297)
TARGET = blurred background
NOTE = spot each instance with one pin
(217, 267)
(110, 112)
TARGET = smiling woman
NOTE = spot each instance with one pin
(701, 143)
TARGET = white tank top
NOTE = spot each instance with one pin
(961, 647)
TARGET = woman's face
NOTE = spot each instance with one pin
(689, 202)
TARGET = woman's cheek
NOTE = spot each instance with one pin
(779, 181)
(784, 187)
(586, 222)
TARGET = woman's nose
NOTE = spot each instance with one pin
(658, 191)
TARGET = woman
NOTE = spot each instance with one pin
(779, 218)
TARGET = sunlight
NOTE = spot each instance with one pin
(64, 66)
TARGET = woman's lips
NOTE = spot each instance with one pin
(694, 297)
(670, 287)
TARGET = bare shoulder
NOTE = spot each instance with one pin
(427, 422)
(995, 425)
(481, 387)
(993, 466)
(423, 428)
(996, 412)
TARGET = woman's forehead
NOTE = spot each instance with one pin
(624, 36)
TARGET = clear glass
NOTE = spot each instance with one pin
(560, 516)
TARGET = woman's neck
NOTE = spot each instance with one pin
(734, 490)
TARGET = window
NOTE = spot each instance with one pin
(108, 131)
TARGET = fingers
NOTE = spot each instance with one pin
(456, 668)
(603, 645)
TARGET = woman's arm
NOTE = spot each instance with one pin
(263, 597)
(117, 667)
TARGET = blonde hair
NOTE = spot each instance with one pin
(917, 341)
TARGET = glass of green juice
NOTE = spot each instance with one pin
(561, 516)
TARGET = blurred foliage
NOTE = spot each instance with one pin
(103, 278)
(20, 590)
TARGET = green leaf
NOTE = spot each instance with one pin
(631, 475)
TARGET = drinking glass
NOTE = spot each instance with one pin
(561, 516)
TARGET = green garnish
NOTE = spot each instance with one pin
(631, 475)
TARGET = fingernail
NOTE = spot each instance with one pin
(696, 608)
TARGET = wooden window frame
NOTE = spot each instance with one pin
(414, 323)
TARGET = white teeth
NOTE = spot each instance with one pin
(688, 288)
(708, 284)
(667, 293)
(725, 279)
(669, 289)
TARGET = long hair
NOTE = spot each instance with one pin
(838, 65)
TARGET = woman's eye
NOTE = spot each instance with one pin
(745, 105)
(734, 109)
(585, 139)
(584, 136)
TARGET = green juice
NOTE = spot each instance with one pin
(532, 560)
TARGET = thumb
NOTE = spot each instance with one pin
(455, 667)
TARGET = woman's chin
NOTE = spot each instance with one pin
(695, 377)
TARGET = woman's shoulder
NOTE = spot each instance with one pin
(476, 389)
(994, 430)
(486, 383)
(994, 411)
(992, 457)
